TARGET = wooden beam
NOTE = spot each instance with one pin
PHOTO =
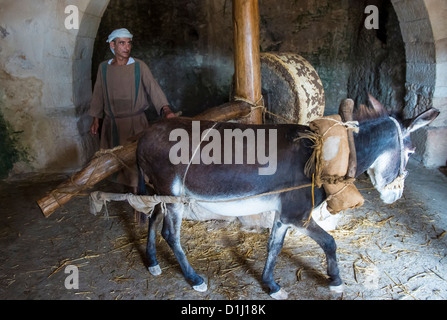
(346, 110)
(247, 61)
(225, 112)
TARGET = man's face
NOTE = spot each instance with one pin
(122, 47)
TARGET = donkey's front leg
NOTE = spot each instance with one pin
(275, 245)
(171, 233)
(327, 243)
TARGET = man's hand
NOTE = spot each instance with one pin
(95, 126)
(167, 112)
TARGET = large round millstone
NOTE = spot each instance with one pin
(291, 88)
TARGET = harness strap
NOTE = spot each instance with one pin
(137, 81)
(146, 204)
(401, 143)
(192, 157)
(398, 183)
(115, 136)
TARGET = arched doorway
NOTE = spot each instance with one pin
(424, 29)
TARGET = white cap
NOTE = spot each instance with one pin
(119, 33)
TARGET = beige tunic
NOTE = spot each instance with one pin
(129, 114)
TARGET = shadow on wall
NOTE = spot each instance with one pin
(379, 62)
(10, 151)
(82, 84)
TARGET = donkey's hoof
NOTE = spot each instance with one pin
(337, 289)
(201, 287)
(280, 295)
(155, 271)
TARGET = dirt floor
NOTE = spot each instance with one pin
(385, 252)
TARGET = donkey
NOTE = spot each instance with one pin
(383, 147)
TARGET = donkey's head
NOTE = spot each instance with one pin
(388, 173)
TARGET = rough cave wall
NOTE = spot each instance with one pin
(350, 59)
(379, 64)
(188, 46)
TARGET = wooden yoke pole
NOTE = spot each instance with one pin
(346, 111)
(98, 169)
(247, 61)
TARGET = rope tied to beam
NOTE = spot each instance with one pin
(260, 105)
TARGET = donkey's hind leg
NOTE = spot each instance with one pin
(171, 233)
(327, 243)
(275, 245)
(154, 222)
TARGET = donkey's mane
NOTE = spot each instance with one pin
(365, 113)
(374, 110)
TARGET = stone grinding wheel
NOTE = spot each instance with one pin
(291, 88)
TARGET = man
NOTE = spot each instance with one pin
(120, 98)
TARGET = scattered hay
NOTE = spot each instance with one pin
(233, 259)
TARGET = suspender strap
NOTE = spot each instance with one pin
(115, 136)
(137, 81)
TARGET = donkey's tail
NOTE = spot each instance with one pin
(142, 190)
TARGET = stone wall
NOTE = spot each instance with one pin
(424, 31)
(46, 79)
(41, 65)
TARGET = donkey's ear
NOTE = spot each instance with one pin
(379, 109)
(372, 102)
(422, 120)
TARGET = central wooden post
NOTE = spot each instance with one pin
(247, 62)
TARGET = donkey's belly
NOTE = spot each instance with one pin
(230, 207)
(235, 205)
